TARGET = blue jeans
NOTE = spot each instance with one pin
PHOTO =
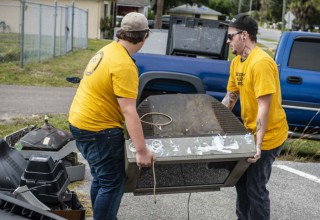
(104, 151)
(253, 201)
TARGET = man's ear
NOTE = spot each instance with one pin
(244, 35)
(146, 35)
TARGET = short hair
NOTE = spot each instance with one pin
(253, 37)
(132, 36)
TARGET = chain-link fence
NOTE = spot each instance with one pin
(40, 32)
(9, 33)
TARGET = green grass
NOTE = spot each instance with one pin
(14, 124)
(301, 150)
(9, 47)
(52, 72)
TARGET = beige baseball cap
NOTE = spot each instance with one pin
(134, 21)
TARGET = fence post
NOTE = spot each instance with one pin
(60, 34)
(54, 29)
(66, 29)
(87, 28)
(72, 24)
(23, 3)
(39, 42)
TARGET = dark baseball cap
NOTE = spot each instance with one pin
(243, 22)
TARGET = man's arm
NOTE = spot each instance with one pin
(262, 122)
(230, 99)
(144, 156)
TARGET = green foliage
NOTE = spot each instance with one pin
(10, 55)
(106, 27)
(151, 14)
(9, 47)
(227, 8)
(316, 3)
(302, 9)
(275, 7)
(174, 3)
(301, 150)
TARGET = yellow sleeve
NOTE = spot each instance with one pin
(264, 82)
(125, 82)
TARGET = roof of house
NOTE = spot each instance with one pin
(138, 3)
(194, 9)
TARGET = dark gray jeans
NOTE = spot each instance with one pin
(253, 201)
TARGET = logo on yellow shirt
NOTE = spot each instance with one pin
(94, 63)
(240, 78)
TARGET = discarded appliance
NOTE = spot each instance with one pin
(12, 166)
(199, 144)
(47, 179)
(36, 188)
(50, 141)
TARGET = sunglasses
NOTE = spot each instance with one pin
(230, 36)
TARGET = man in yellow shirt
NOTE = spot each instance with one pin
(105, 99)
(254, 76)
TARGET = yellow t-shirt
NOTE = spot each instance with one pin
(255, 77)
(111, 73)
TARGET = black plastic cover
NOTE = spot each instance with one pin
(12, 165)
(46, 179)
(45, 138)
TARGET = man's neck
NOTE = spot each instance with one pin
(131, 48)
(247, 50)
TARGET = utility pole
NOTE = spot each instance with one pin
(250, 7)
(239, 6)
(283, 13)
(158, 24)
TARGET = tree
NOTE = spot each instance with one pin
(167, 4)
(275, 9)
(228, 8)
(271, 10)
(106, 27)
(302, 9)
(162, 6)
(316, 3)
(264, 10)
(159, 13)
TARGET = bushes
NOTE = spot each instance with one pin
(106, 27)
(10, 55)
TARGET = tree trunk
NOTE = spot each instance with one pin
(159, 14)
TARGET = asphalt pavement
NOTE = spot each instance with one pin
(269, 38)
(294, 187)
(20, 101)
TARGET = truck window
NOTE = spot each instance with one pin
(305, 54)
